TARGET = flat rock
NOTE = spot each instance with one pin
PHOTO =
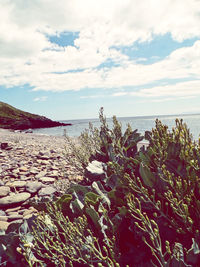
(29, 211)
(46, 191)
(4, 191)
(15, 217)
(23, 169)
(47, 179)
(33, 187)
(14, 199)
(3, 219)
(2, 213)
(40, 174)
(18, 184)
(44, 162)
(94, 170)
(4, 225)
(28, 216)
(13, 209)
(34, 170)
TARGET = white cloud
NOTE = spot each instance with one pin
(40, 99)
(181, 90)
(120, 94)
(28, 57)
(92, 96)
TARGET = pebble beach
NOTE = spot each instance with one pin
(31, 166)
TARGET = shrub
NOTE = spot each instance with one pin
(145, 212)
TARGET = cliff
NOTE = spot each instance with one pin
(16, 119)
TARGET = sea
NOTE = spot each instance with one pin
(141, 123)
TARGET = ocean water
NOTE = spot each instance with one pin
(140, 123)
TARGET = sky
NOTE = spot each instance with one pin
(65, 59)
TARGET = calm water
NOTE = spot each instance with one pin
(140, 123)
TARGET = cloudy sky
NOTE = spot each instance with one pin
(65, 59)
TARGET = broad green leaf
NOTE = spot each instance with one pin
(92, 198)
(147, 176)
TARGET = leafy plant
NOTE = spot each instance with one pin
(145, 212)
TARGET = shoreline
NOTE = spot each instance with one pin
(32, 167)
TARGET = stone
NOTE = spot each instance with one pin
(2, 154)
(18, 184)
(47, 179)
(15, 171)
(2, 213)
(44, 162)
(3, 219)
(33, 170)
(40, 174)
(33, 187)
(12, 213)
(4, 191)
(28, 216)
(4, 225)
(14, 199)
(29, 211)
(23, 169)
(54, 174)
(14, 217)
(95, 170)
(46, 191)
(13, 209)
(43, 156)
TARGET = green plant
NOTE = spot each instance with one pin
(146, 212)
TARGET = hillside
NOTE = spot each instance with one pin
(16, 119)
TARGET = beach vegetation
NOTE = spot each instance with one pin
(144, 210)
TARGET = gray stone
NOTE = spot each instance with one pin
(95, 170)
(23, 169)
(14, 199)
(2, 213)
(45, 162)
(4, 225)
(2, 154)
(40, 174)
(13, 209)
(47, 179)
(28, 216)
(46, 191)
(33, 187)
(54, 174)
(4, 191)
(44, 157)
(34, 170)
(3, 219)
(29, 211)
(18, 184)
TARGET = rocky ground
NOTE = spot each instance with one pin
(31, 167)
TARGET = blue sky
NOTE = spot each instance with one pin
(66, 59)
